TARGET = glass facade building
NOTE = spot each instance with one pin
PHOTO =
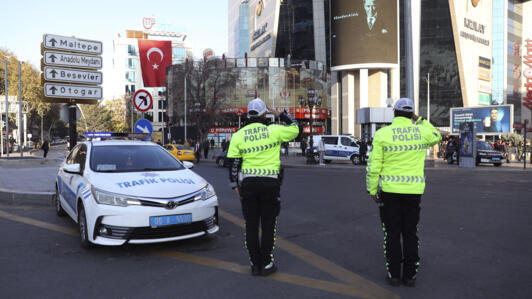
(280, 87)
(238, 28)
(437, 57)
(498, 47)
(513, 58)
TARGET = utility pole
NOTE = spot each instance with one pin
(409, 55)
(184, 141)
(428, 97)
(7, 113)
(20, 130)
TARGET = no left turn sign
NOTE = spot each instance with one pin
(142, 100)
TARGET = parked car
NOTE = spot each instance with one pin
(223, 161)
(338, 147)
(133, 192)
(486, 154)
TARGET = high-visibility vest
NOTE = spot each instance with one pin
(397, 158)
(259, 146)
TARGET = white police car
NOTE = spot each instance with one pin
(134, 192)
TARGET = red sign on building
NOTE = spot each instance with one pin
(223, 130)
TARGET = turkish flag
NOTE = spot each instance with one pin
(155, 57)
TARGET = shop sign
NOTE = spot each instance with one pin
(527, 73)
(223, 130)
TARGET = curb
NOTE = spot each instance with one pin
(29, 161)
(14, 197)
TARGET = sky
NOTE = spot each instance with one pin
(25, 22)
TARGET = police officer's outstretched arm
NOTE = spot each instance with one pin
(374, 165)
(292, 128)
(430, 135)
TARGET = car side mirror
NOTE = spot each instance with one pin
(188, 165)
(72, 168)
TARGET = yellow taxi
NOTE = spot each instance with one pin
(181, 152)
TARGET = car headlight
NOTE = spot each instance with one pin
(105, 198)
(205, 193)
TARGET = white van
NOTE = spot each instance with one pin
(338, 147)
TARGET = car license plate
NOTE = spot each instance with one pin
(496, 159)
(170, 220)
(484, 160)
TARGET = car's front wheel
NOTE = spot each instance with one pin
(220, 162)
(355, 159)
(57, 202)
(83, 230)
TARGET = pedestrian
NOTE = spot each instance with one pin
(321, 150)
(197, 151)
(45, 147)
(206, 148)
(256, 176)
(285, 148)
(212, 143)
(224, 145)
(303, 146)
(363, 149)
(397, 162)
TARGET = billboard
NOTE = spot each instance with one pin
(491, 120)
(364, 32)
(468, 144)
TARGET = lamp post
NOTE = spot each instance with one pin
(312, 100)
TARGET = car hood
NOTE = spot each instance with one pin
(151, 184)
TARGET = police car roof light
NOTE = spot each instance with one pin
(116, 135)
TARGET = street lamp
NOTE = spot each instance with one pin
(312, 100)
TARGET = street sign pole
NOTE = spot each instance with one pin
(524, 144)
(19, 118)
(72, 125)
(7, 114)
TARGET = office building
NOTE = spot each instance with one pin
(127, 71)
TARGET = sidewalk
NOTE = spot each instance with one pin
(30, 180)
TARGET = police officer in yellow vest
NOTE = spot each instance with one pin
(255, 176)
(396, 163)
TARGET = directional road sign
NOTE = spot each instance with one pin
(143, 126)
(72, 60)
(54, 90)
(72, 75)
(71, 44)
(142, 100)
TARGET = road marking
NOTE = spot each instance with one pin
(353, 288)
(40, 224)
(365, 286)
(327, 286)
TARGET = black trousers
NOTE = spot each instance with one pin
(260, 206)
(362, 158)
(400, 217)
(206, 152)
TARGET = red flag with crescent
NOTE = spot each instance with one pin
(155, 57)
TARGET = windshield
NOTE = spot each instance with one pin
(130, 158)
(482, 145)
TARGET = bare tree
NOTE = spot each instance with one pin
(208, 83)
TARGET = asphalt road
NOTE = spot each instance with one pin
(474, 232)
